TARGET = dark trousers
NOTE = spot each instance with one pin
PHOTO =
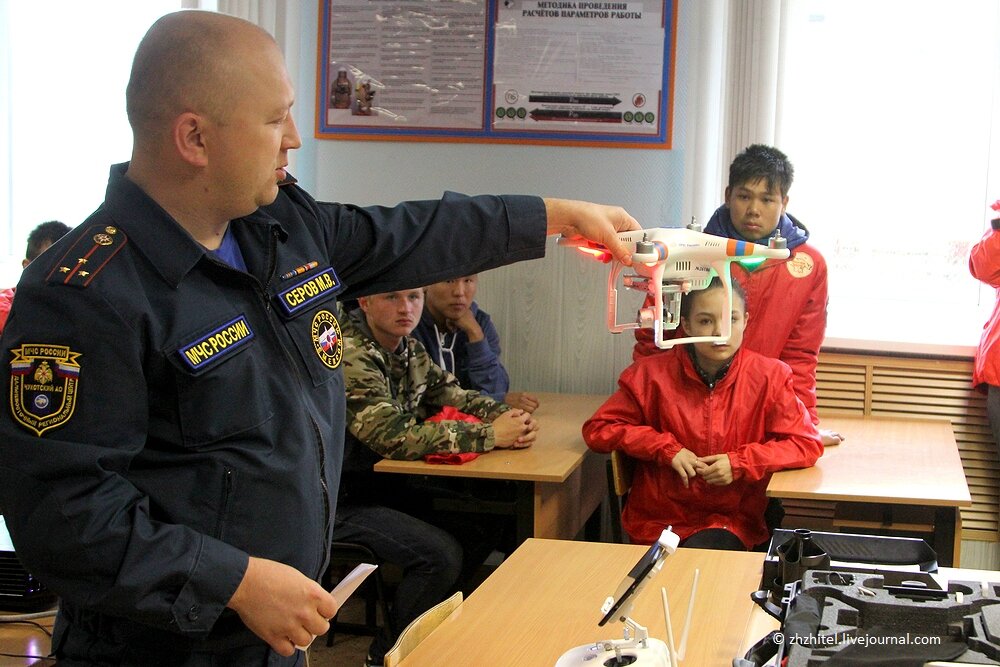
(993, 411)
(459, 506)
(714, 538)
(430, 558)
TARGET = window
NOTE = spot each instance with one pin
(890, 112)
(63, 70)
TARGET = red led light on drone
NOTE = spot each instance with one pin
(598, 253)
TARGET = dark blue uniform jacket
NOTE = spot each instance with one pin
(170, 416)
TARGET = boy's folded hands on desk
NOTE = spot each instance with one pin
(514, 429)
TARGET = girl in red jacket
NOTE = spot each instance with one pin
(707, 424)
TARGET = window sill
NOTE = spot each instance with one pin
(886, 348)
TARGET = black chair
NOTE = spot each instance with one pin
(344, 556)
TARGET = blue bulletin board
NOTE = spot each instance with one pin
(562, 72)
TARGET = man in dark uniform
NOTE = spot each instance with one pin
(171, 454)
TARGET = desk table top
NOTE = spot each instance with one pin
(25, 643)
(557, 452)
(546, 598)
(884, 460)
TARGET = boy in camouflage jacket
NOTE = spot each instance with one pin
(393, 387)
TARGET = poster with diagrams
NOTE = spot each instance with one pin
(588, 72)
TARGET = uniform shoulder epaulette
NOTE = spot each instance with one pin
(85, 259)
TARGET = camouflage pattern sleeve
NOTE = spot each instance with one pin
(443, 387)
(385, 410)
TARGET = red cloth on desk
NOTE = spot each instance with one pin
(449, 413)
(451, 459)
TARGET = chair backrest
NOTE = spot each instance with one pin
(619, 482)
(621, 472)
(420, 627)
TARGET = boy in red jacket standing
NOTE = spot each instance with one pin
(984, 264)
(787, 297)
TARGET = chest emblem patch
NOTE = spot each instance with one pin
(800, 265)
(43, 385)
(326, 338)
(217, 344)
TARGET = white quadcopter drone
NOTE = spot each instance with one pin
(669, 262)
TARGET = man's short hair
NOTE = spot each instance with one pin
(43, 236)
(758, 162)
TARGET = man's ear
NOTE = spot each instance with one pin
(784, 203)
(363, 304)
(188, 136)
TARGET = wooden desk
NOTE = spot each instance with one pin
(27, 640)
(560, 481)
(546, 598)
(883, 477)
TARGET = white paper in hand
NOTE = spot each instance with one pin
(350, 583)
(342, 591)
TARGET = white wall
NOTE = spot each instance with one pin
(550, 312)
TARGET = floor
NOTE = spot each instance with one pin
(347, 650)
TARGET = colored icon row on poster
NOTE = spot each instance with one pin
(573, 115)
